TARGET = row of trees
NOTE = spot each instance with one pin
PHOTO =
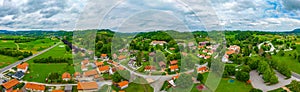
(53, 60)
(15, 53)
(268, 74)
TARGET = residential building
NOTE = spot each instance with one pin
(173, 68)
(158, 43)
(103, 69)
(98, 64)
(66, 76)
(22, 67)
(8, 86)
(104, 56)
(202, 69)
(149, 68)
(35, 87)
(123, 84)
(90, 73)
(87, 86)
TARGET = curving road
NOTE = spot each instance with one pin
(25, 59)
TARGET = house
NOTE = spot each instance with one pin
(173, 62)
(35, 87)
(22, 67)
(85, 62)
(17, 90)
(149, 68)
(18, 75)
(234, 48)
(8, 86)
(173, 68)
(84, 68)
(58, 91)
(104, 56)
(98, 64)
(230, 52)
(66, 76)
(103, 69)
(121, 57)
(202, 69)
(77, 74)
(162, 64)
(87, 86)
(90, 73)
(123, 84)
(158, 43)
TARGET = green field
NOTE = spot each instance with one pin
(6, 60)
(38, 45)
(7, 44)
(226, 86)
(293, 64)
(39, 71)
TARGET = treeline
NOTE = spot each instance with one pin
(15, 53)
(20, 40)
(53, 60)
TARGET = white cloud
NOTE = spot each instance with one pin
(196, 14)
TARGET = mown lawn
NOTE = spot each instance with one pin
(226, 86)
(6, 60)
(39, 71)
(133, 87)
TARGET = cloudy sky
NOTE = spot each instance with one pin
(145, 15)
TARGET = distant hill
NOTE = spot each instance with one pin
(296, 30)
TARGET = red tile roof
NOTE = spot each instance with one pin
(173, 67)
(23, 65)
(34, 86)
(66, 75)
(90, 73)
(123, 83)
(104, 68)
(87, 85)
(10, 83)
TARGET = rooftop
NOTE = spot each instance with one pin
(87, 85)
(10, 83)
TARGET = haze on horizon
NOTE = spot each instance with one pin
(261, 15)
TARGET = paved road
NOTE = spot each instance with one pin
(258, 82)
(25, 59)
(272, 47)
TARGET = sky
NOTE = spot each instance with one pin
(146, 15)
